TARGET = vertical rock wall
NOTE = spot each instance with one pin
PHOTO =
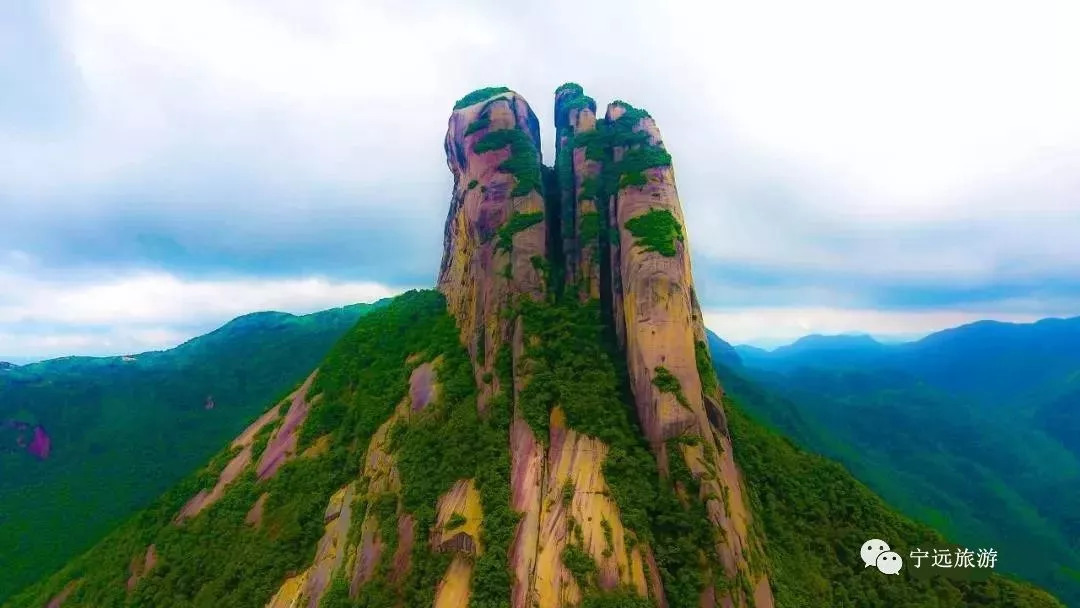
(663, 326)
(495, 237)
(614, 232)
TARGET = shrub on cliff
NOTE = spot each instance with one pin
(479, 95)
(524, 161)
(656, 230)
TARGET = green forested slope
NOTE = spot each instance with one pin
(123, 430)
(951, 430)
(814, 514)
(816, 517)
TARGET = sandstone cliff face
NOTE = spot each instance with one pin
(495, 238)
(578, 178)
(665, 338)
(612, 231)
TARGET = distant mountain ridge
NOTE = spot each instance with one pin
(1054, 329)
(91, 439)
(262, 321)
(975, 429)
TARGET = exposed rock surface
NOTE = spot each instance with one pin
(607, 225)
(205, 498)
(242, 448)
(282, 444)
(461, 538)
(141, 565)
(422, 386)
(254, 516)
(60, 598)
(32, 438)
(546, 432)
(495, 237)
(41, 444)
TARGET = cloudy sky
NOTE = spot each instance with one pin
(887, 167)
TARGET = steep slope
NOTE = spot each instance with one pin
(1059, 414)
(985, 466)
(85, 442)
(815, 517)
(545, 430)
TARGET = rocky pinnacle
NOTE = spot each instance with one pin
(605, 223)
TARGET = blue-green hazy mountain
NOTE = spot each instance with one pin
(972, 429)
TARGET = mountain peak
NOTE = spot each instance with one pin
(603, 226)
(832, 342)
(545, 430)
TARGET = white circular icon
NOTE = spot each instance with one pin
(889, 562)
(871, 549)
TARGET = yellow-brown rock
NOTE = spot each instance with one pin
(462, 500)
(591, 466)
(579, 175)
(454, 588)
(482, 269)
(662, 323)
(575, 509)
(610, 173)
(290, 595)
(308, 587)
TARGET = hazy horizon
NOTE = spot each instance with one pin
(762, 343)
(170, 165)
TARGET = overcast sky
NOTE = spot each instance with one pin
(888, 167)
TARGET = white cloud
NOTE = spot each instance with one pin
(327, 93)
(22, 348)
(910, 102)
(150, 311)
(159, 297)
(883, 144)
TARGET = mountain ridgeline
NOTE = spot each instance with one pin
(87, 441)
(544, 430)
(972, 429)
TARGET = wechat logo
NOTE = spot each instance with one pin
(875, 552)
